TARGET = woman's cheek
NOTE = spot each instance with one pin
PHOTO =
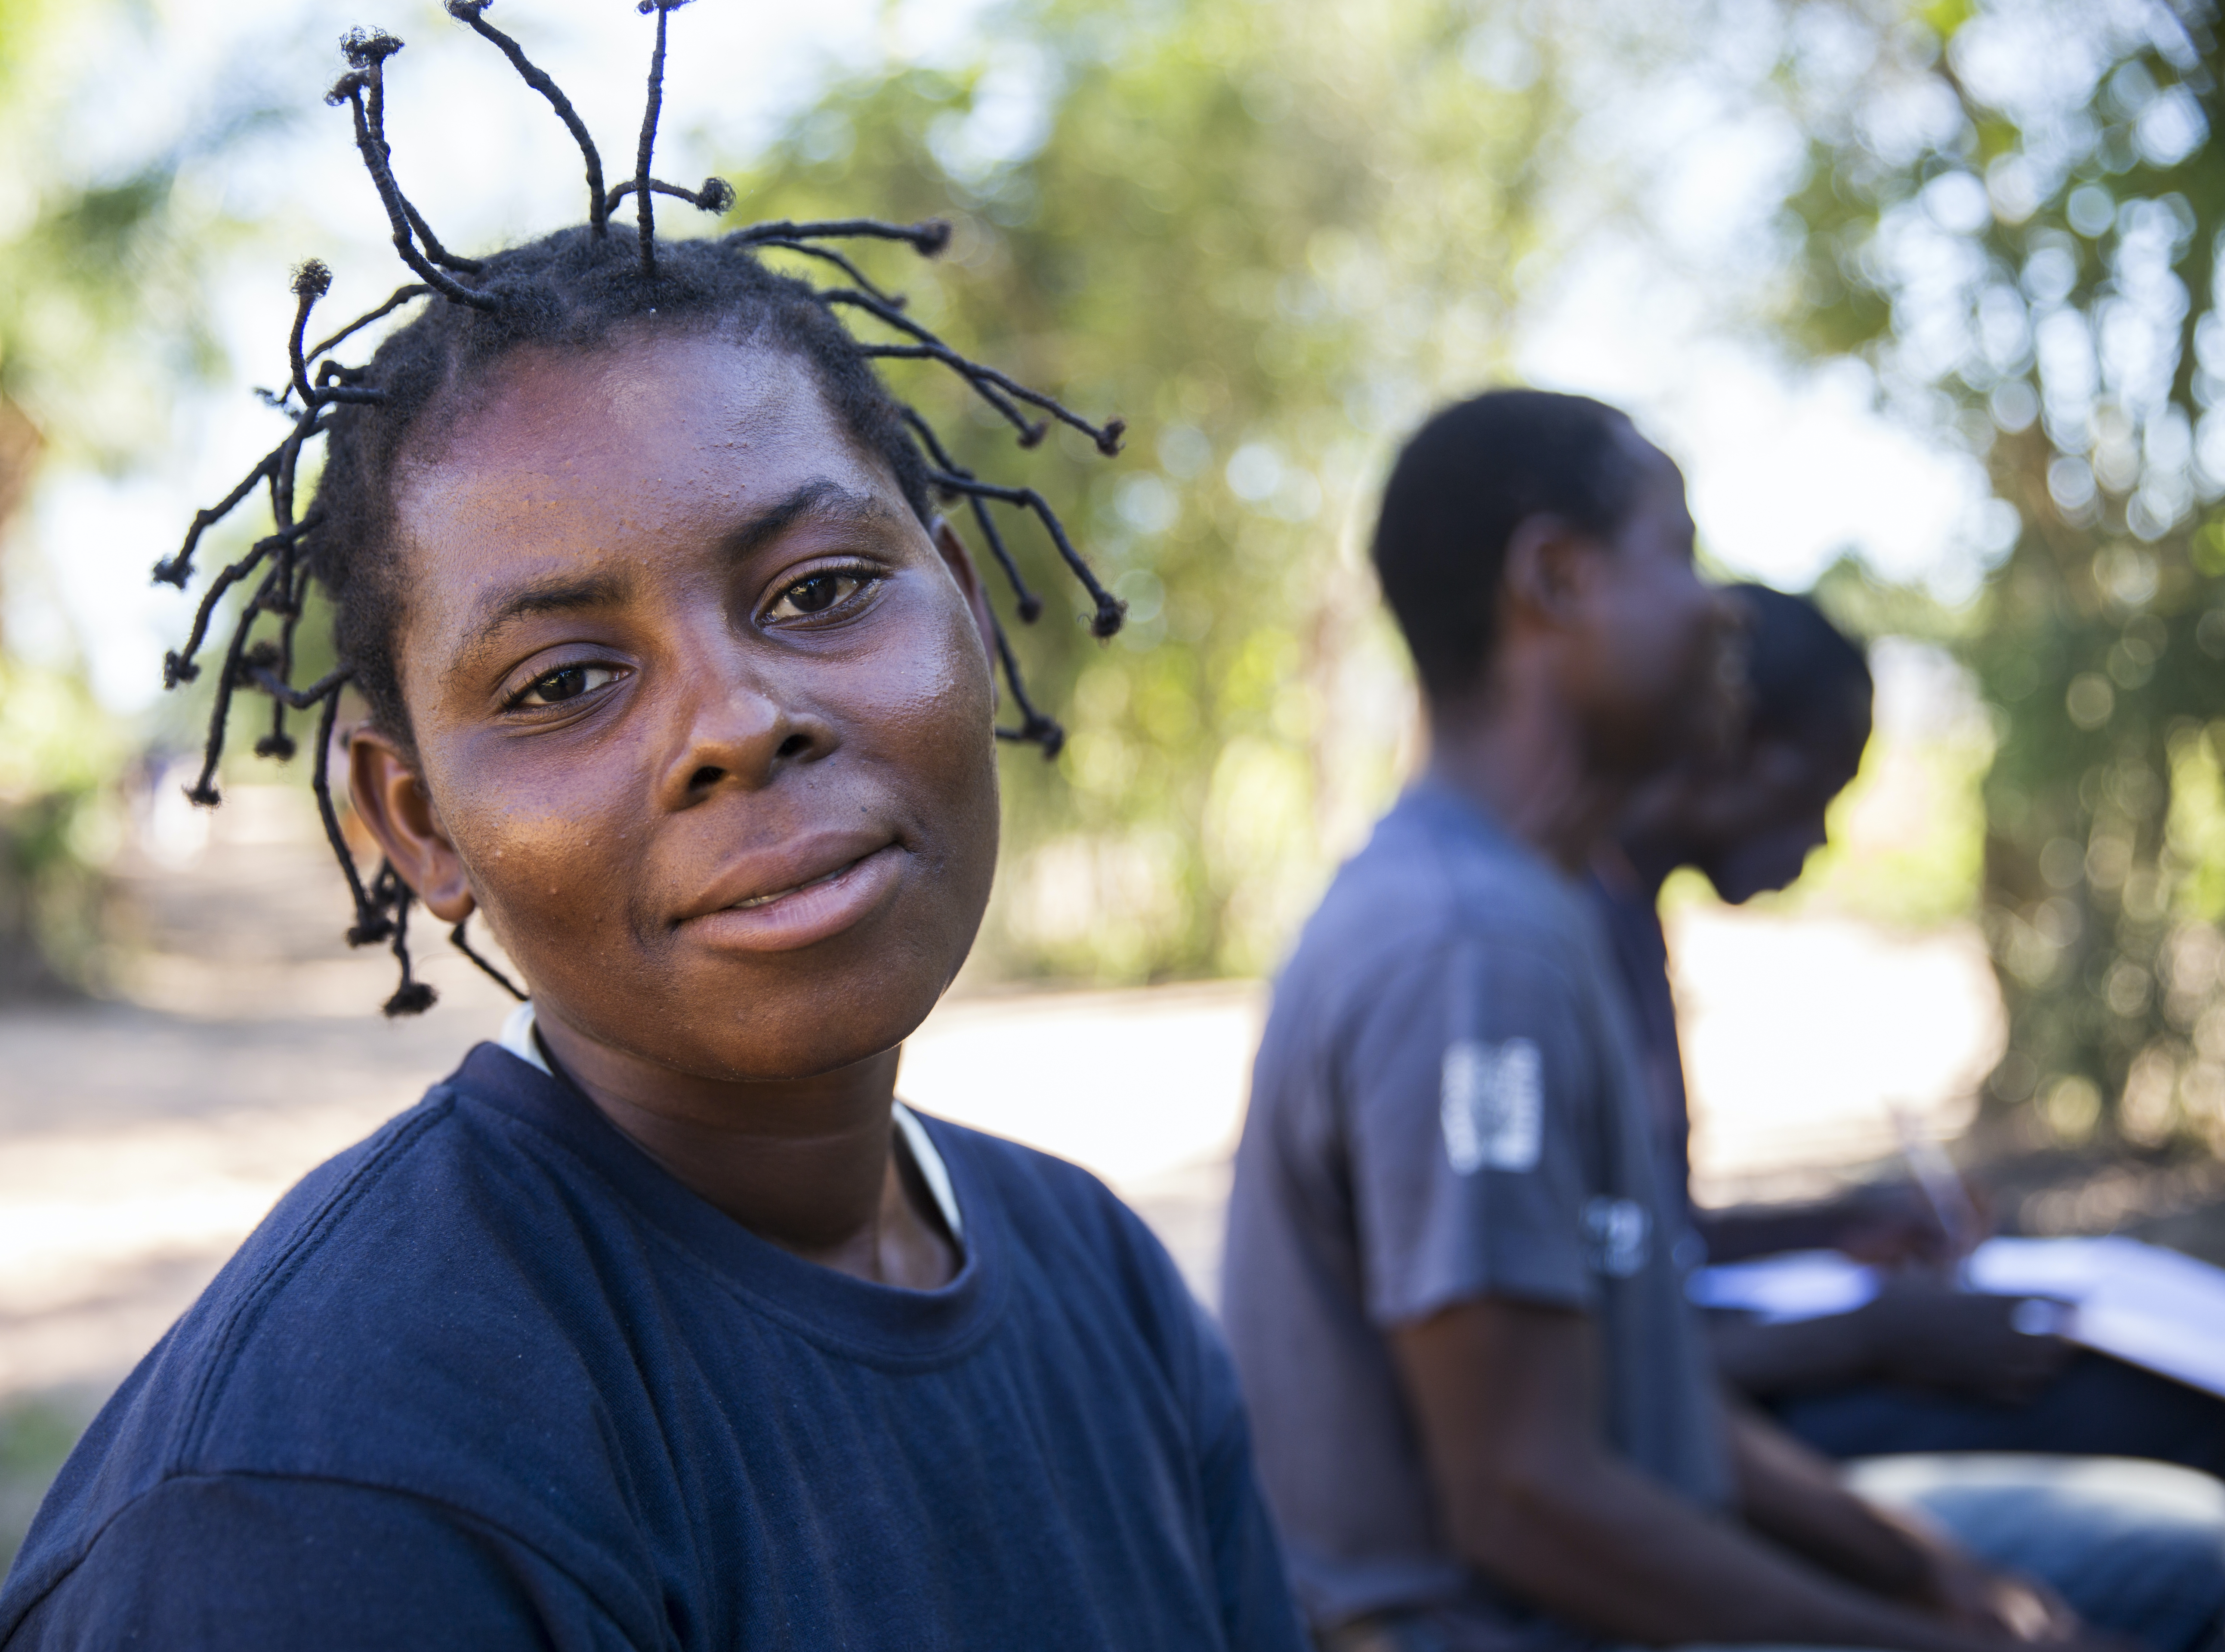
(935, 696)
(537, 848)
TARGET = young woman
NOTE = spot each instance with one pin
(661, 1324)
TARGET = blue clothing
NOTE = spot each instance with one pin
(493, 1379)
(1447, 1106)
(2093, 1405)
(1640, 950)
(2138, 1548)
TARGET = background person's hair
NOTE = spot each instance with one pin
(1462, 484)
(1807, 681)
(570, 290)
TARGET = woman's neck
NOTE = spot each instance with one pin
(807, 1164)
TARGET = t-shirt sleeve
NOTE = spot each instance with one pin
(1469, 1084)
(253, 1563)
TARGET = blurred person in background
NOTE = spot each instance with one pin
(1486, 1415)
(1924, 1366)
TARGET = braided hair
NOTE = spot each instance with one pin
(573, 289)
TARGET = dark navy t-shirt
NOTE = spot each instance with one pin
(1631, 923)
(493, 1379)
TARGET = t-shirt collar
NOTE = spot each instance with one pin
(889, 1327)
(518, 1037)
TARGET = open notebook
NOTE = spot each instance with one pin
(2140, 1303)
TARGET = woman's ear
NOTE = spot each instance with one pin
(393, 804)
(959, 561)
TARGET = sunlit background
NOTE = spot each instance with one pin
(1921, 297)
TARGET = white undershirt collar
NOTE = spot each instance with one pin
(517, 1038)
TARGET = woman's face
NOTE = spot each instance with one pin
(702, 713)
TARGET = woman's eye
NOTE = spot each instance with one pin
(815, 595)
(565, 682)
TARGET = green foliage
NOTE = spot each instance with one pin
(2014, 213)
(58, 751)
(1908, 836)
(1865, 606)
(97, 291)
(1269, 235)
(97, 319)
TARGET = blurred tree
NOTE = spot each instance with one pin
(2014, 214)
(97, 292)
(1270, 233)
(97, 322)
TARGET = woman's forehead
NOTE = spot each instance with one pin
(643, 404)
(632, 451)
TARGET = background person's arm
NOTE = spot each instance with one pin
(1916, 1331)
(1793, 1496)
(1741, 1232)
(1889, 1223)
(1506, 1396)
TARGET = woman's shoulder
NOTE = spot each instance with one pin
(403, 1230)
(404, 1299)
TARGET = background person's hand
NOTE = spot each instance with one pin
(1971, 1595)
(1893, 1224)
(2000, 1347)
(1985, 1601)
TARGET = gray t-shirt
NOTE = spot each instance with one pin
(1448, 1106)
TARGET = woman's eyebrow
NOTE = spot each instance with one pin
(821, 495)
(562, 596)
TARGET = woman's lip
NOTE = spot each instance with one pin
(755, 900)
(809, 912)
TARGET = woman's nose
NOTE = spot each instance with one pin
(740, 727)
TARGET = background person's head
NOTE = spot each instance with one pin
(1749, 818)
(1534, 546)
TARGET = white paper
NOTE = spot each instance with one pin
(2144, 1304)
(1795, 1285)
